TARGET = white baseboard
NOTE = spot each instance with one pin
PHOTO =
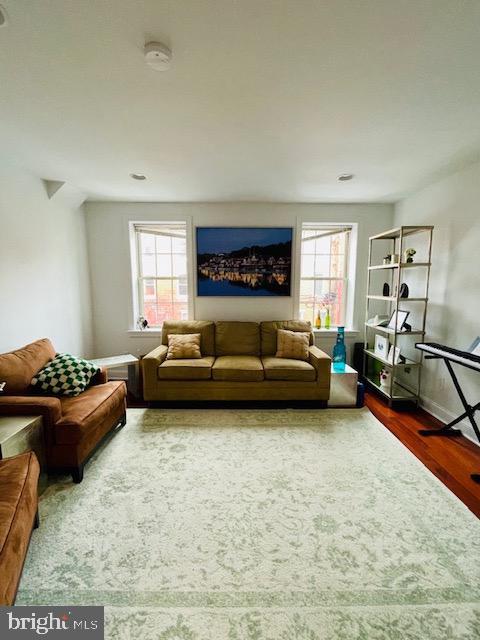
(445, 416)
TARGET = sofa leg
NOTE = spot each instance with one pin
(123, 421)
(77, 474)
(36, 520)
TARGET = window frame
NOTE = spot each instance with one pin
(350, 266)
(137, 278)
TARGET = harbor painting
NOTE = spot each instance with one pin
(244, 261)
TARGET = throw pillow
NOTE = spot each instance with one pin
(292, 344)
(65, 375)
(183, 345)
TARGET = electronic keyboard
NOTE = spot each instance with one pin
(465, 358)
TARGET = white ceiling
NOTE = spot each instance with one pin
(265, 99)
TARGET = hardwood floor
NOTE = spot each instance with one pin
(451, 459)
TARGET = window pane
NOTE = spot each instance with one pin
(322, 266)
(164, 265)
(308, 266)
(148, 265)
(307, 300)
(179, 265)
(164, 244)
(179, 245)
(147, 243)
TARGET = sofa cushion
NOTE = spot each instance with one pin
(269, 330)
(187, 369)
(292, 345)
(18, 505)
(237, 338)
(287, 369)
(82, 413)
(238, 368)
(205, 328)
(17, 368)
(183, 346)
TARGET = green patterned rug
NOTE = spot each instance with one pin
(259, 525)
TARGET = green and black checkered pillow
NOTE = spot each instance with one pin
(65, 375)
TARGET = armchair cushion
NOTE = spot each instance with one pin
(17, 368)
(81, 413)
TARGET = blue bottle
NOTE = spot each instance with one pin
(339, 351)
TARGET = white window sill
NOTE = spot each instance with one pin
(331, 333)
(146, 333)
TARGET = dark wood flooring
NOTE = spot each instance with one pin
(452, 460)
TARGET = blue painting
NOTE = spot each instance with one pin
(244, 261)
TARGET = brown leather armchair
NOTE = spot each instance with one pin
(73, 426)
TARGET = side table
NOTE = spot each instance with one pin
(125, 360)
(19, 434)
(343, 388)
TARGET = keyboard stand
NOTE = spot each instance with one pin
(468, 413)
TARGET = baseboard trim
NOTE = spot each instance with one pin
(446, 416)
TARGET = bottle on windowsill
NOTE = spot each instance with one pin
(327, 319)
(318, 321)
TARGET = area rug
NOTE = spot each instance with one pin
(259, 525)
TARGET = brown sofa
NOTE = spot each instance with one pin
(18, 516)
(73, 426)
(238, 363)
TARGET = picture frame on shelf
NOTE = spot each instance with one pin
(394, 355)
(400, 317)
(381, 346)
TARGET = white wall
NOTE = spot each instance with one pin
(107, 228)
(44, 278)
(452, 205)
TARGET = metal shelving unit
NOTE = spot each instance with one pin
(405, 379)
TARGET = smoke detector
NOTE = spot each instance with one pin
(3, 17)
(157, 56)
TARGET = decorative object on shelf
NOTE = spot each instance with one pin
(327, 319)
(408, 255)
(404, 291)
(386, 290)
(395, 258)
(142, 323)
(339, 351)
(381, 346)
(318, 321)
(385, 376)
(400, 316)
(378, 321)
(387, 259)
(406, 327)
(394, 355)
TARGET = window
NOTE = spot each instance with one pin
(161, 271)
(324, 272)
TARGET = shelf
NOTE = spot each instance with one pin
(407, 363)
(406, 231)
(402, 265)
(399, 393)
(393, 298)
(391, 332)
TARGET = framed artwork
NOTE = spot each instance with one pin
(244, 261)
(381, 346)
(401, 317)
(394, 355)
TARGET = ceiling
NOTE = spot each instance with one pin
(265, 99)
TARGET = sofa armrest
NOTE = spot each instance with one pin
(49, 408)
(101, 377)
(152, 361)
(322, 363)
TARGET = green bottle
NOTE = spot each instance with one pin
(327, 319)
